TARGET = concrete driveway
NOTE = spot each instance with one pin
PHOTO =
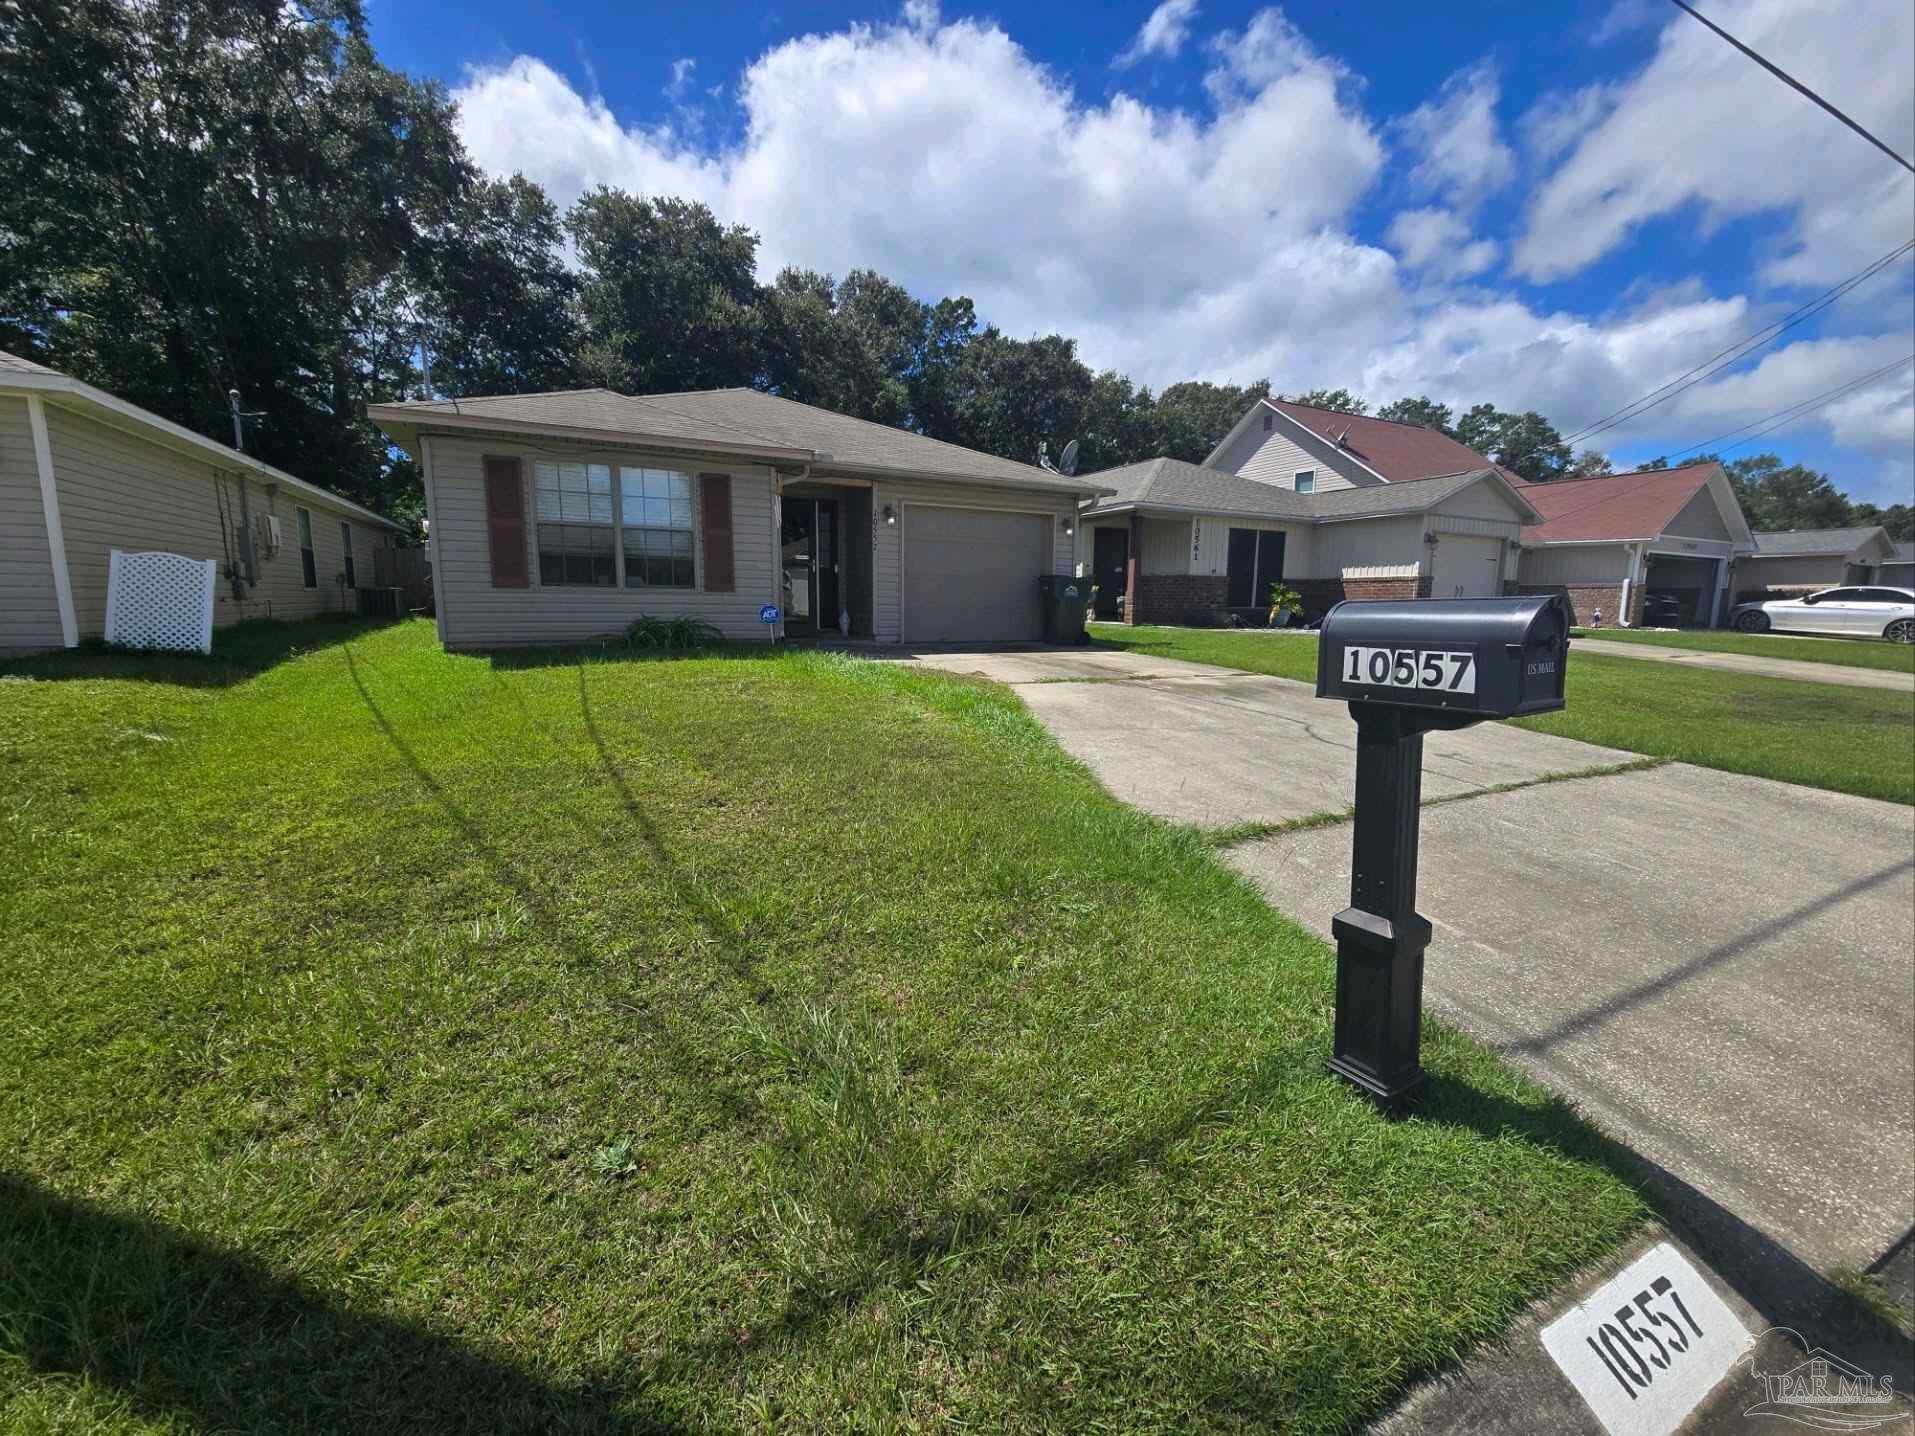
(1719, 969)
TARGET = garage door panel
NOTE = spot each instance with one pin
(1467, 567)
(970, 575)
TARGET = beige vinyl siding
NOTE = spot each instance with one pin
(1815, 570)
(474, 614)
(121, 490)
(1700, 519)
(29, 609)
(1210, 553)
(1369, 548)
(1166, 546)
(1485, 502)
(887, 614)
(1573, 563)
(1275, 458)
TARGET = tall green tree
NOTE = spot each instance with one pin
(668, 296)
(204, 195)
(1193, 417)
(1422, 411)
(496, 296)
(1342, 400)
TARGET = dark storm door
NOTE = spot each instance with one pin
(1110, 563)
(824, 573)
(1255, 561)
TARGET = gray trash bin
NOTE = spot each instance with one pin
(1064, 599)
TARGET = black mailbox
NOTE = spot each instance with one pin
(1486, 657)
(1407, 669)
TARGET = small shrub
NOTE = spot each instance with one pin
(672, 635)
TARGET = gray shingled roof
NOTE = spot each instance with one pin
(742, 419)
(24, 366)
(1811, 541)
(1174, 484)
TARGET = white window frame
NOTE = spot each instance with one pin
(689, 528)
(609, 523)
(308, 547)
(1297, 481)
(346, 560)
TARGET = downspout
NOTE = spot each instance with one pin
(50, 509)
(1628, 582)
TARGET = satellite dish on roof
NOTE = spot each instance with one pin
(1068, 463)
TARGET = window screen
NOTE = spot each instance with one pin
(573, 503)
(655, 516)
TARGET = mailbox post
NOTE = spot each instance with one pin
(1407, 669)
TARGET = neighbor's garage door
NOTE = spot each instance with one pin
(970, 575)
(1467, 567)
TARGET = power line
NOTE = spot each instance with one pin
(1769, 423)
(1794, 84)
(1737, 351)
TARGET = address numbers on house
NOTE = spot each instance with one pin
(1410, 668)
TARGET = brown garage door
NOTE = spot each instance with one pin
(970, 575)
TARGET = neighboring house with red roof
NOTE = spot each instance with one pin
(1333, 505)
(1608, 543)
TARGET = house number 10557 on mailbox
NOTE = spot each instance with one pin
(1410, 668)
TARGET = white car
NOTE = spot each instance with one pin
(1854, 612)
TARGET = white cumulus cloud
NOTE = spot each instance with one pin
(1163, 34)
(1702, 130)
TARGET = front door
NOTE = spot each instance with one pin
(809, 545)
(1253, 564)
(1110, 567)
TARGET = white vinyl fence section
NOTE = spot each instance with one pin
(160, 600)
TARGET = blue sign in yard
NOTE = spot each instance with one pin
(768, 614)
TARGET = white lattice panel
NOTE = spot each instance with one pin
(160, 600)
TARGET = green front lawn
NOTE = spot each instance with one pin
(1846, 652)
(401, 1041)
(1851, 740)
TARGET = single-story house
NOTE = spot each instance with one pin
(564, 516)
(83, 473)
(1797, 561)
(1899, 571)
(1334, 505)
(1606, 543)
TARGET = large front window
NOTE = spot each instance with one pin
(655, 517)
(574, 504)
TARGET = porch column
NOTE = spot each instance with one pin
(1133, 567)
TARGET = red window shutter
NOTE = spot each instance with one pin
(720, 574)
(505, 522)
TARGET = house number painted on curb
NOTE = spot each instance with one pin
(1410, 668)
(1647, 1345)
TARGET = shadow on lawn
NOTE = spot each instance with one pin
(241, 651)
(182, 1328)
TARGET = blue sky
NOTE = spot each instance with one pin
(1544, 206)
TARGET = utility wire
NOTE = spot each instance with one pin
(1737, 351)
(1794, 84)
(1800, 409)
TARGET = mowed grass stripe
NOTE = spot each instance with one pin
(1849, 740)
(413, 1041)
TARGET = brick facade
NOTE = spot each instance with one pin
(1587, 599)
(1174, 597)
(1320, 595)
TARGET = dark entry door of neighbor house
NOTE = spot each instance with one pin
(1110, 567)
(1256, 562)
(809, 543)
